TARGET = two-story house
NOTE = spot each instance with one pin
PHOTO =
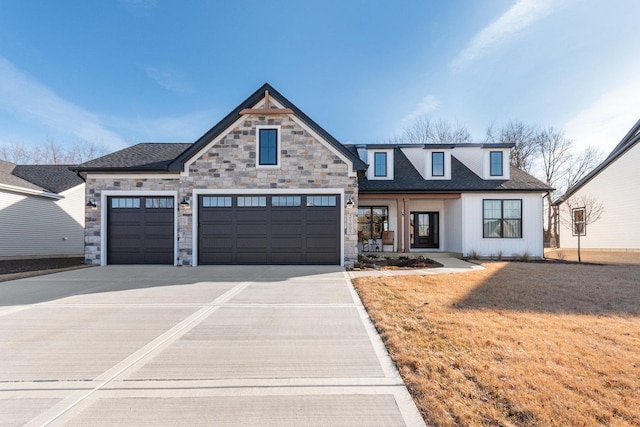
(268, 185)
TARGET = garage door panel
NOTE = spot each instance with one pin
(251, 229)
(286, 243)
(251, 243)
(320, 243)
(286, 229)
(286, 258)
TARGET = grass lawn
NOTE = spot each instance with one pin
(516, 343)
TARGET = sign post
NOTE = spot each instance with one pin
(579, 220)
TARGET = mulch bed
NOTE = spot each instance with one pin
(25, 265)
(367, 262)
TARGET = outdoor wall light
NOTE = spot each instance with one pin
(184, 203)
(91, 204)
(350, 203)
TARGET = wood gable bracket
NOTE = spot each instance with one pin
(267, 109)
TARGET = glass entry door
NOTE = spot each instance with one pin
(425, 231)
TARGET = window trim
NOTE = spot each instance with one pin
(278, 153)
(502, 219)
(443, 164)
(491, 171)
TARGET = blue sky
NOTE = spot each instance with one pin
(118, 72)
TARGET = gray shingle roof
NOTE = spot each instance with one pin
(53, 178)
(408, 179)
(48, 178)
(8, 178)
(146, 156)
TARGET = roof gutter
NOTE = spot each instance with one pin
(31, 192)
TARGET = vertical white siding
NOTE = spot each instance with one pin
(38, 226)
(452, 225)
(532, 220)
(616, 187)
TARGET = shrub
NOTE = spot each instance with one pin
(473, 255)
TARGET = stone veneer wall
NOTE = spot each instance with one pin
(93, 219)
(231, 164)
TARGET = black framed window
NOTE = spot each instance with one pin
(495, 163)
(372, 221)
(437, 163)
(268, 147)
(380, 164)
(502, 219)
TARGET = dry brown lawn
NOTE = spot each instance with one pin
(516, 343)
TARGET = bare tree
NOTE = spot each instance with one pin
(51, 153)
(556, 157)
(580, 211)
(524, 137)
(425, 131)
(582, 164)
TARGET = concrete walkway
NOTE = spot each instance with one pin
(450, 264)
(133, 345)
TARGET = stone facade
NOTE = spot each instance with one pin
(230, 164)
(93, 216)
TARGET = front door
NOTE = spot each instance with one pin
(425, 231)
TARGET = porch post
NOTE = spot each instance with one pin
(399, 233)
(407, 225)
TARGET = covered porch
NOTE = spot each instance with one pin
(404, 223)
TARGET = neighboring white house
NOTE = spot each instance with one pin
(41, 211)
(614, 185)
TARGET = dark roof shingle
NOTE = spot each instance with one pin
(139, 157)
(49, 178)
(53, 178)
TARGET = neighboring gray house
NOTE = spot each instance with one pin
(267, 185)
(613, 184)
(41, 211)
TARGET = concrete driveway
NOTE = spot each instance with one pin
(139, 345)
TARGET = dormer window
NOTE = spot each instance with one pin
(437, 163)
(268, 147)
(495, 163)
(380, 164)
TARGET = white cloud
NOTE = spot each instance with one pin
(174, 80)
(428, 104)
(24, 96)
(605, 122)
(517, 18)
